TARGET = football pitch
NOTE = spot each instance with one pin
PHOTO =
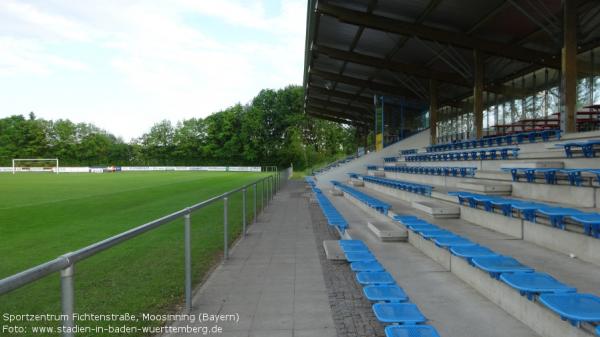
(43, 216)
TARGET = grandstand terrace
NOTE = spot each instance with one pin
(475, 211)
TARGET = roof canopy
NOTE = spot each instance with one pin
(358, 48)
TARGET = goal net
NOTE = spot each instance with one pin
(35, 165)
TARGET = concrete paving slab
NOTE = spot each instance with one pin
(273, 279)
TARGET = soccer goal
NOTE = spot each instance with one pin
(35, 165)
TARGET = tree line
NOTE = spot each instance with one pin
(271, 130)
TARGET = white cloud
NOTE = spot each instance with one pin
(148, 62)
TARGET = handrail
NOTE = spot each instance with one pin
(65, 263)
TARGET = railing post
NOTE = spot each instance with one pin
(67, 300)
(188, 261)
(262, 196)
(244, 211)
(225, 231)
(255, 215)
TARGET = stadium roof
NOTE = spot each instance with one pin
(358, 48)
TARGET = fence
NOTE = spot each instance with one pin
(65, 263)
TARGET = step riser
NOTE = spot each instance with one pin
(532, 314)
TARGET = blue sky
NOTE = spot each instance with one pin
(125, 65)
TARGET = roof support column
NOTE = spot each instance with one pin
(568, 116)
(478, 92)
(433, 110)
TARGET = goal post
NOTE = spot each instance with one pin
(27, 165)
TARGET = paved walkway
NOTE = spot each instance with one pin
(273, 279)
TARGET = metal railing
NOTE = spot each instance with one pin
(65, 264)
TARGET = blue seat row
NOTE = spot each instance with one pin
(434, 170)
(372, 167)
(400, 185)
(334, 218)
(391, 304)
(409, 151)
(363, 197)
(561, 298)
(503, 153)
(551, 175)
(588, 147)
(390, 159)
(353, 175)
(532, 136)
(531, 210)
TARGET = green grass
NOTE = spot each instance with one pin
(43, 216)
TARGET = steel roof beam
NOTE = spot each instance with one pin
(313, 89)
(433, 34)
(373, 86)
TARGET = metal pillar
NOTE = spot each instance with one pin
(188, 261)
(262, 195)
(478, 92)
(244, 212)
(433, 111)
(225, 231)
(67, 299)
(568, 116)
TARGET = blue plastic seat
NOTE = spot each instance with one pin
(375, 277)
(419, 227)
(355, 249)
(359, 256)
(590, 222)
(400, 217)
(345, 243)
(436, 233)
(530, 284)
(574, 307)
(385, 293)
(359, 266)
(470, 252)
(413, 222)
(496, 265)
(450, 241)
(403, 313)
(557, 214)
(410, 331)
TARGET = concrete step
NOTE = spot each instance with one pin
(454, 308)
(357, 182)
(387, 231)
(487, 188)
(571, 271)
(566, 242)
(537, 164)
(437, 209)
(336, 192)
(333, 251)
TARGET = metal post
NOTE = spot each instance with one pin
(188, 261)
(225, 230)
(262, 196)
(67, 300)
(244, 211)
(255, 214)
